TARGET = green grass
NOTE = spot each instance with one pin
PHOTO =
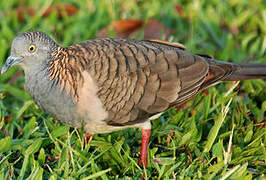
(219, 136)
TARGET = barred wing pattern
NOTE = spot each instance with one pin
(138, 79)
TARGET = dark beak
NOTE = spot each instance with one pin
(11, 61)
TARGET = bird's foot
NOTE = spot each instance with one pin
(144, 146)
(87, 138)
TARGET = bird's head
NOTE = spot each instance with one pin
(30, 50)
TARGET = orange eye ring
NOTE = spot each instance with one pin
(31, 48)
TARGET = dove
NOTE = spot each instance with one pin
(109, 84)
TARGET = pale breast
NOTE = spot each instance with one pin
(89, 105)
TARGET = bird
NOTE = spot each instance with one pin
(109, 84)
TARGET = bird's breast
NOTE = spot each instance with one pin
(51, 99)
(89, 104)
(60, 104)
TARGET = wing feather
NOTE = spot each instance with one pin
(144, 77)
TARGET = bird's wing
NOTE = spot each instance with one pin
(137, 79)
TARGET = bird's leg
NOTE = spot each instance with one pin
(87, 138)
(144, 146)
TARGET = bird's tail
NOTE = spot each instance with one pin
(246, 71)
(223, 71)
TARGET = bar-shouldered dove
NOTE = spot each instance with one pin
(110, 84)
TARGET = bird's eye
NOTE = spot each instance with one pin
(31, 48)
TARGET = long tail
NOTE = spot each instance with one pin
(223, 71)
(246, 71)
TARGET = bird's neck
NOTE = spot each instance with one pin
(35, 77)
(65, 68)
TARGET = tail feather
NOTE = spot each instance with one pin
(246, 71)
(223, 71)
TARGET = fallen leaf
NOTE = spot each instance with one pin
(61, 9)
(155, 30)
(122, 28)
(22, 11)
(125, 28)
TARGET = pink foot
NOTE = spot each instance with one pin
(87, 138)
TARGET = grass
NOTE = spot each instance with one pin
(215, 136)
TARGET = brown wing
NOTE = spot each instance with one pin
(137, 79)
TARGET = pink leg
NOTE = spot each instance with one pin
(87, 138)
(144, 146)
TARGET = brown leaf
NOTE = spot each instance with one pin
(61, 9)
(22, 11)
(122, 28)
(155, 30)
(125, 28)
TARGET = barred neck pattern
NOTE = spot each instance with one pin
(64, 67)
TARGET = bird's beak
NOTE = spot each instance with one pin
(11, 61)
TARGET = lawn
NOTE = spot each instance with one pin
(221, 134)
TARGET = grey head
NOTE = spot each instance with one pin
(30, 50)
